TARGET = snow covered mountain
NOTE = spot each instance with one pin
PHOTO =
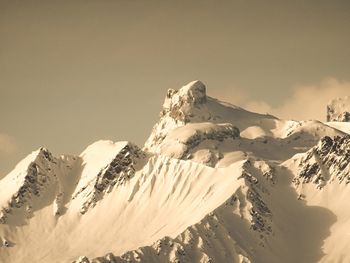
(213, 183)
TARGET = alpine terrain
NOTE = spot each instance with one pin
(212, 183)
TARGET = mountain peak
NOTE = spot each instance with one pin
(339, 109)
(180, 107)
(179, 101)
(195, 90)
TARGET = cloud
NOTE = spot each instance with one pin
(306, 102)
(7, 144)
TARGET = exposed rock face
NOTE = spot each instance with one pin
(178, 104)
(328, 161)
(339, 110)
(121, 169)
(180, 107)
(184, 141)
(34, 180)
(186, 122)
(39, 178)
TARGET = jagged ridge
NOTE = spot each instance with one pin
(327, 161)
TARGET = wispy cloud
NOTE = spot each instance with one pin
(306, 102)
(7, 144)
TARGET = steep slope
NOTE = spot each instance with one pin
(154, 203)
(262, 221)
(45, 196)
(39, 178)
(321, 177)
(341, 126)
(229, 232)
(104, 165)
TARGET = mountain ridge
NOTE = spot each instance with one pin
(213, 183)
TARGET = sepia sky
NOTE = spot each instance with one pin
(72, 72)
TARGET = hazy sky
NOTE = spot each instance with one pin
(72, 72)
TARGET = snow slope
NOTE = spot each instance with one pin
(341, 126)
(213, 183)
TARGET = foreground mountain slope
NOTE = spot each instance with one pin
(154, 203)
(263, 221)
(213, 183)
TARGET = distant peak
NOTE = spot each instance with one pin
(339, 109)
